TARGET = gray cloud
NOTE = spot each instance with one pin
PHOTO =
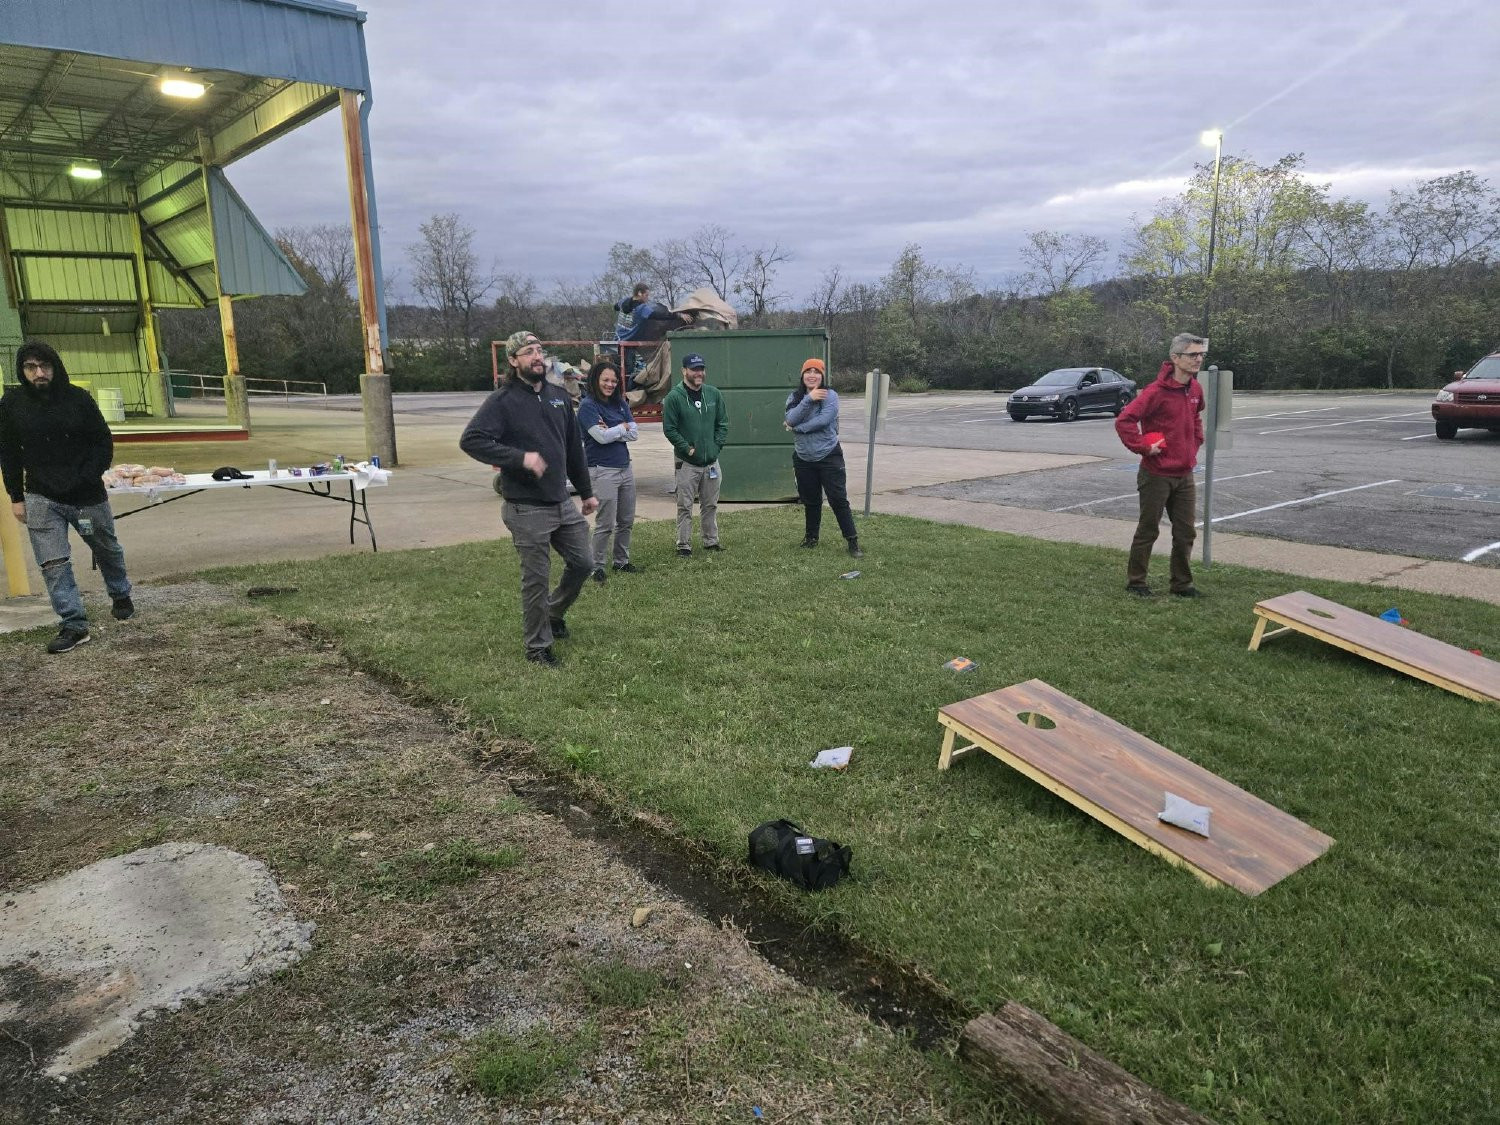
(844, 130)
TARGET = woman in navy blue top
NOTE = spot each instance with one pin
(812, 413)
(604, 417)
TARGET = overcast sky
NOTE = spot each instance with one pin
(844, 131)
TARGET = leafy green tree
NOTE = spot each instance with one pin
(1439, 239)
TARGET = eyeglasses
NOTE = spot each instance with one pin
(1192, 355)
(30, 366)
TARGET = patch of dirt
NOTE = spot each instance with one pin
(450, 913)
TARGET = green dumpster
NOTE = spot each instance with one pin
(755, 370)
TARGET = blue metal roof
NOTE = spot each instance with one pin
(302, 40)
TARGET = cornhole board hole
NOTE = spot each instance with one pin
(1426, 658)
(1121, 778)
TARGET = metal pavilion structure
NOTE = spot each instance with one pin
(117, 121)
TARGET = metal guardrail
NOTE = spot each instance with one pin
(212, 386)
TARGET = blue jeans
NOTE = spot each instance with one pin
(47, 522)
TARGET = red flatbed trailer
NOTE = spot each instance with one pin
(645, 412)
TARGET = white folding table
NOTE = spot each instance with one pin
(359, 481)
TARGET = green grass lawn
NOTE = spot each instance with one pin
(1361, 988)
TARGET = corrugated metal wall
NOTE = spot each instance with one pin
(249, 262)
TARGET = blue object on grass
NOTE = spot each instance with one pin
(1393, 615)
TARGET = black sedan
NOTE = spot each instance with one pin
(1066, 393)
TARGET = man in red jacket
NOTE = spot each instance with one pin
(1164, 424)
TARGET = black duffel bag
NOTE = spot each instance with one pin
(782, 848)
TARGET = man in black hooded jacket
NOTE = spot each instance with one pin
(54, 448)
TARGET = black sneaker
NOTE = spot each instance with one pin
(1190, 592)
(68, 638)
(559, 629)
(684, 552)
(123, 609)
(1139, 591)
(628, 568)
(854, 551)
(544, 656)
(598, 574)
(713, 547)
(808, 543)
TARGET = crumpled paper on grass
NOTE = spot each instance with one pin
(835, 759)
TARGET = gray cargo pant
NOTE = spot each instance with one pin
(615, 491)
(536, 529)
(700, 483)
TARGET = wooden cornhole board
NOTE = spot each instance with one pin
(1381, 641)
(1121, 778)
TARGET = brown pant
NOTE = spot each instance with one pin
(1178, 496)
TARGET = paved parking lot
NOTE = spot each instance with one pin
(1363, 471)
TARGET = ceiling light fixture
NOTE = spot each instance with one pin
(82, 171)
(179, 84)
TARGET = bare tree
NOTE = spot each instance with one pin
(446, 274)
(327, 249)
(712, 258)
(316, 335)
(759, 275)
(1059, 259)
(666, 268)
(831, 295)
(577, 312)
(516, 294)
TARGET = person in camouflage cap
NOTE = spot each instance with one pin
(527, 427)
(514, 344)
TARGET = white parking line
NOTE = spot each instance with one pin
(1350, 422)
(1420, 437)
(1285, 414)
(1126, 495)
(1304, 500)
(1478, 551)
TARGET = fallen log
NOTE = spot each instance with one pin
(1059, 1077)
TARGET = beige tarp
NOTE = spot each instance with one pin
(708, 312)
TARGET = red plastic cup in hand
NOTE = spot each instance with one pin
(1153, 439)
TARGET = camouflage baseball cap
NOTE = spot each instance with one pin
(517, 341)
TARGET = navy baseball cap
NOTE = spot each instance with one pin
(693, 359)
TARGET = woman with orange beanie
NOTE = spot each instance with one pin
(812, 413)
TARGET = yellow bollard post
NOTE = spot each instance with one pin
(13, 552)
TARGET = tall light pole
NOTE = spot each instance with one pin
(1213, 137)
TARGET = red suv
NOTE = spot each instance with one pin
(1470, 402)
